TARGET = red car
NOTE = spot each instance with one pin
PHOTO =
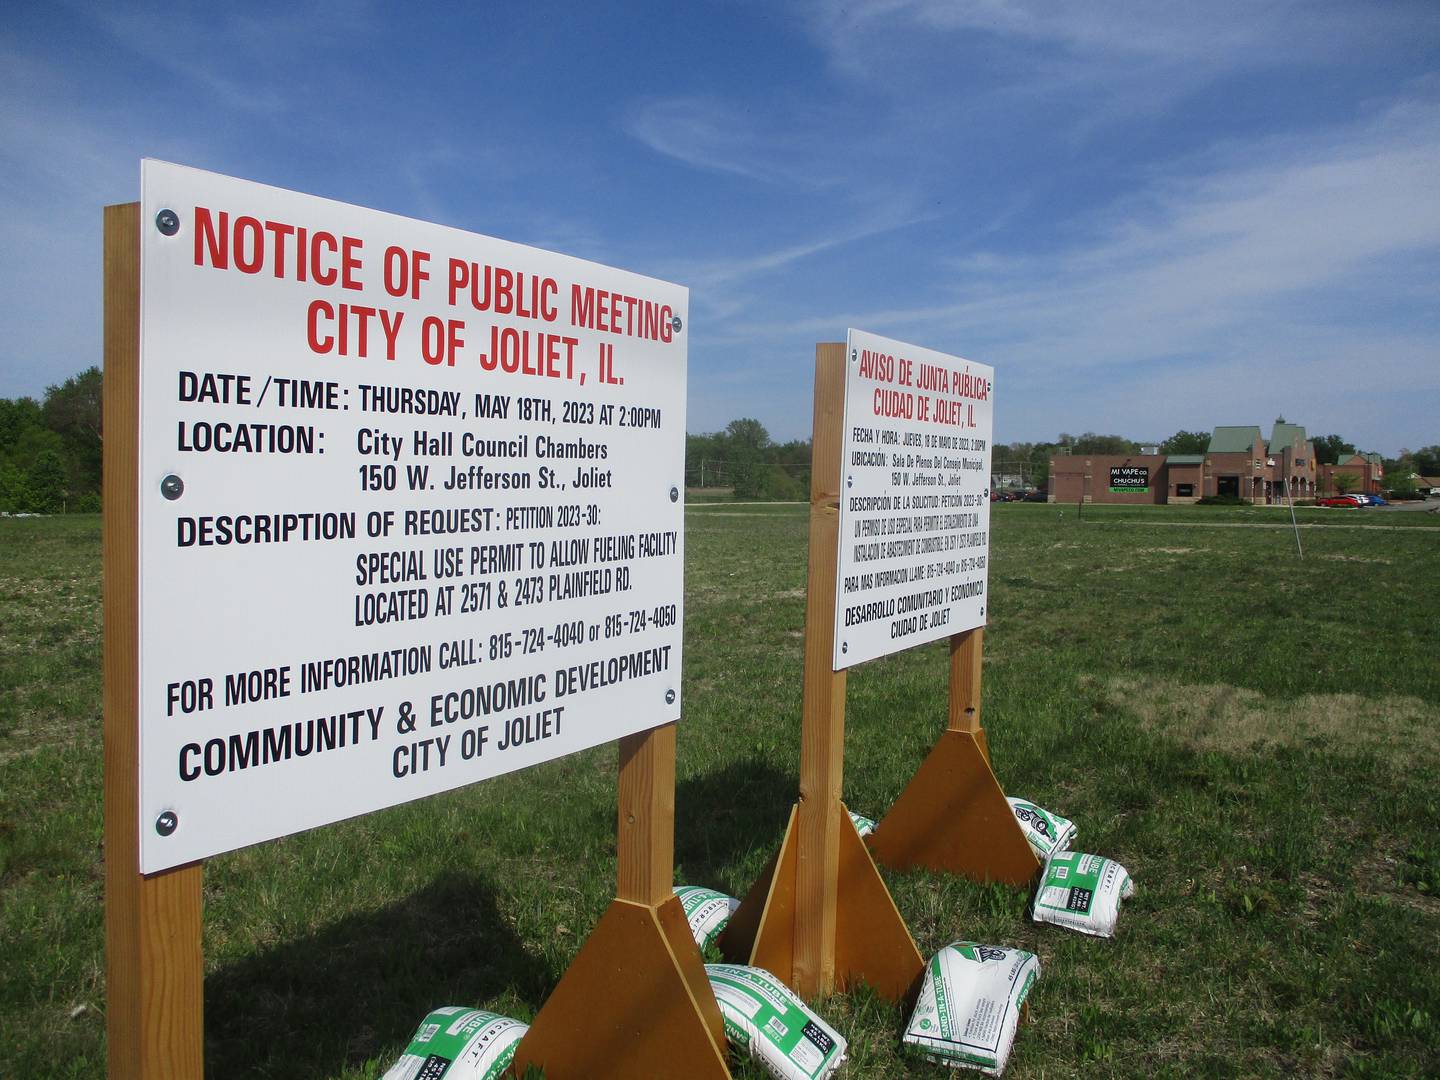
(1346, 501)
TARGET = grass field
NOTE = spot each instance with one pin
(1256, 737)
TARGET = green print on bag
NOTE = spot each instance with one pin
(969, 1005)
(1082, 892)
(764, 1018)
(707, 911)
(1046, 832)
(455, 1043)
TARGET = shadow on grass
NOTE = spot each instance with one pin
(729, 819)
(313, 1007)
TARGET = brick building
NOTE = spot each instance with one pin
(1291, 458)
(1365, 473)
(1239, 461)
(1235, 464)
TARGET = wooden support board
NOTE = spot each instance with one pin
(871, 945)
(827, 919)
(953, 815)
(635, 1001)
(154, 965)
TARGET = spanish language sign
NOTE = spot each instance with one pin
(914, 498)
(410, 510)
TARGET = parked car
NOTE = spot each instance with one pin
(1346, 502)
(1035, 496)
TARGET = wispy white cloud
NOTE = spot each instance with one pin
(1362, 384)
(246, 60)
(1114, 27)
(716, 135)
(1218, 32)
(712, 273)
(725, 288)
(1258, 257)
(60, 163)
(969, 174)
(1273, 225)
(1092, 66)
(800, 153)
(1182, 255)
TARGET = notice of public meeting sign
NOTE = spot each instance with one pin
(410, 509)
(914, 498)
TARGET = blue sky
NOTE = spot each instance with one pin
(1146, 216)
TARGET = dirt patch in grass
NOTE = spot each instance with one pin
(1378, 873)
(1400, 729)
(1357, 559)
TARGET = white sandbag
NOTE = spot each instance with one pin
(1045, 832)
(863, 825)
(969, 1005)
(771, 1024)
(459, 1044)
(707, 911)
(1082, 892)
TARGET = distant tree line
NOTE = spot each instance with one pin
(51, 454)
(50, 450)
(744, 458)
(1401, 472)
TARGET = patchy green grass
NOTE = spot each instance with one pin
(1252, 735)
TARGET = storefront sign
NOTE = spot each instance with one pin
(1129, 478)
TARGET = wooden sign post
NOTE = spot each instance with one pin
(820, 917)
(953, 815)
(635, 1001)
(153, 962)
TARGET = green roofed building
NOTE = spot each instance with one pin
(1239, 462)
(1233, 440)
(1292, 461)
(1235, 464)
(1353, 473)
(1284, 435)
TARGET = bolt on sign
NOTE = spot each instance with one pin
(410, 509)
(1129, 478)
(914, 497)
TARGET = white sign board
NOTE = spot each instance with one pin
(410, 509)
(914, 498)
